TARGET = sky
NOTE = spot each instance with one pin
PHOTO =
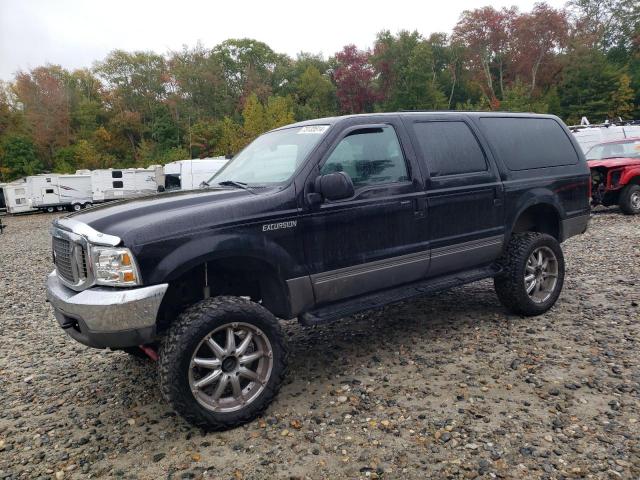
(76, 33)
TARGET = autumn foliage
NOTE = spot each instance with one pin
(140, 108)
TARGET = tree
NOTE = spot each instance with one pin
(486, 35)
(315, 94)
(407, 72)
(622, 99)
(587, 86)
(18, 157)
(45, 103)
(278, 112)
(539, 37)
(253, 114)
(354, 77)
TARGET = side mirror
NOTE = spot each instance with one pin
(335, 186)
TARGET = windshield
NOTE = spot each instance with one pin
(271, 158)
(630, 149)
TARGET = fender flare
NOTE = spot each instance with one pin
(536, 196)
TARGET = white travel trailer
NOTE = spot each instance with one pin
(3, 203)
(118, 183)
(17, 197)
(589, 135)
(190, 174)
(50, 192)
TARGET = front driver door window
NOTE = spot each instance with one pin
(369, 156)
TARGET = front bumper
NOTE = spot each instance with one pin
(104, 317)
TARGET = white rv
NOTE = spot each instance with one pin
(589, 135)
(118, 183)
(51, 192)
(17, 197)
(190, 174)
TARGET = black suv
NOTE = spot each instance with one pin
(318, 220)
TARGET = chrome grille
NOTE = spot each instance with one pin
(63, 256)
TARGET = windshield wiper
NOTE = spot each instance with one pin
(235, 183)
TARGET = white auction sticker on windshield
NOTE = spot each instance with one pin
(313, 129)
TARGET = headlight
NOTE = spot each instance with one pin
(114, 267)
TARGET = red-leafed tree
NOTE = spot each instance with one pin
(354, 78)
(539, 37)
(487, 35)
(45, 102)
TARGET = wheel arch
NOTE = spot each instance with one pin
(236, 267)
(543, 215)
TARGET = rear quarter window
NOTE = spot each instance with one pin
(528, 143)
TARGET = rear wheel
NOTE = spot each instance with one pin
(222, 362)
(87, 205)
(533, 274)
(50, 209)
(630, 199)
(76, 207)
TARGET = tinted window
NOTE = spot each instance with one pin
(369, 156)
(49, 190)
(526, 143)
(449, 148)
(116, 174)
(118, 184)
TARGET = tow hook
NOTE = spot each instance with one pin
(151, 353)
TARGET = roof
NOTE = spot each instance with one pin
(621, 140)
(439, 113)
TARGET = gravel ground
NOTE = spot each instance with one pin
(448, 386)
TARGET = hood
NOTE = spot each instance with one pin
(613, 162)
(145, 219)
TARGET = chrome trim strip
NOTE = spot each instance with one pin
(369, 267)
(466, 246)
(92, 235)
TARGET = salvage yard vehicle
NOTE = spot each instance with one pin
(119, 183)
(588, 134)
(51, 192)
(317, 221)
(191, 174)
(615, 174)
(17, 197)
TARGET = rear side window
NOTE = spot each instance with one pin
(370, 156)
(527, 143)
(449, 148)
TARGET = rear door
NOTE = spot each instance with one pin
(464, 193)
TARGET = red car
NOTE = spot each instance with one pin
(615, 174)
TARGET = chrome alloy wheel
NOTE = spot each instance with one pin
(230, 367)
(541, 274)
(635, 200)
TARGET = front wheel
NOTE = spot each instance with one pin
(630, 199)
(533, 274)
(222, 362)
